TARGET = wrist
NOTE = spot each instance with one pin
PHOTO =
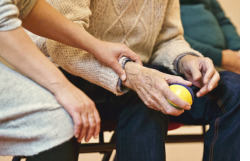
(58, 85)
(180, 61)
(120, 88)
(131, 68)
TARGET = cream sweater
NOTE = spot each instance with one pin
(31, 120)
(11, 11)
(150, 28)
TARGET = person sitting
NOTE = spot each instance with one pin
(153, 30)
(42, 115)
(208, 30)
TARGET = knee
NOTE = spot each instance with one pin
(230, 79)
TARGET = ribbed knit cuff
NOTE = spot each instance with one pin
(176, 61)
(120, 87)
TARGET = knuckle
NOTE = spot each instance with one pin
(208, 60)
(92, 124)
(98, 121)
(124, 47)
(78, 123)
(162, 87)
(150, 101)
(172, 99)
(86, 124)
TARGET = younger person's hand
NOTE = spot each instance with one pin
(109, 54)
(81, 108)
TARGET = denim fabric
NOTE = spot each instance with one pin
(68, 151)
(221, 110)
(141, 131)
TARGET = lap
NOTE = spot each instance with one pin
(31, 120)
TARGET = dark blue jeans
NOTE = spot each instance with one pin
(141, 131)
(221, 110)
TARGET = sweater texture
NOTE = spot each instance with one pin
(12, 11)
(152, 29)
(207, 29)
(31, 120)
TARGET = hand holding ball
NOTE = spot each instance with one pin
(184, 92)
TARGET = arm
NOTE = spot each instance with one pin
(80, 62)
(66, 32)
(227, 59)
(170, 42)
(19, 51)
(230, 33)
(170, 49)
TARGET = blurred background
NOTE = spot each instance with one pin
(177, 151)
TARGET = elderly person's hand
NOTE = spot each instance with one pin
(200, 71)
(152, 87)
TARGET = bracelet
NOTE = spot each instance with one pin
(120, 88)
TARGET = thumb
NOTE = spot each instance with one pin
(119, 70)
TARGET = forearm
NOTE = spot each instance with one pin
(82, 64)
(22, 54)
(170, 42)
(60, 29)
(231, 36)
(168, 52)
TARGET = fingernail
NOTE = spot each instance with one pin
(123, 77)
(210, 87)
(188, 107)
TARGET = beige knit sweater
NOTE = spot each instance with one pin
(151, 28)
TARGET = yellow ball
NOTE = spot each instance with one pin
(184, 92)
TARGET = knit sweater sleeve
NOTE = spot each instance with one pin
(170, 43)
(75, 61)
(9, 15)
(229, 31)
(12, 11)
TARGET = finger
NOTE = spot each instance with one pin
(204, 90)
(169, 109)
(210, 86)
(98, 124)
(147, 99)
(77, 124)
(214, 81)
(153, 104)
(119, 70)
(195, 72)
(209, 72)
(133, 56)
(173, 111)
(175, 79)
(85, 127)
(142, 93)
(174, 99)
(92, 125)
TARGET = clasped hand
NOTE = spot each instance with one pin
(152, 86)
